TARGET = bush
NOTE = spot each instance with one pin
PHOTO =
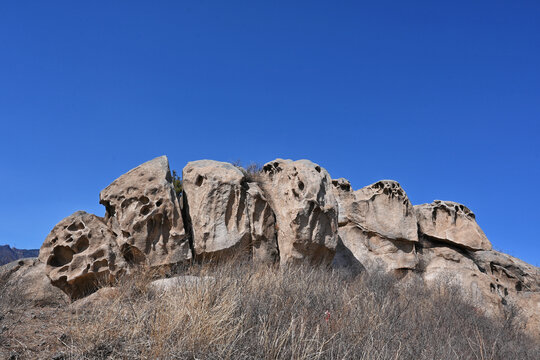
(258, 312)
(177, 183)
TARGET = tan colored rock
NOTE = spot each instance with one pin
(144, 212)
(306, 211)
(451, 222)
(79, 253)
(229, 216)
(490, 280)
(377, 226)
(101, 298)
(25, 281)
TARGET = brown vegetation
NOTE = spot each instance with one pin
(258, 312)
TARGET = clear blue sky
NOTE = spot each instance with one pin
(443, 97)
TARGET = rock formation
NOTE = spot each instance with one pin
(306, 210)
(80, 253)
(25, 280)
(228, 214)
(451, 222)
(144, 212)
(291, 211)
(377, 226)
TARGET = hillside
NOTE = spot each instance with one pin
(9, 254)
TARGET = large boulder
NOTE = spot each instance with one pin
(306, 210)
(25, 281)
(80, 253)
(143, 210)
(228, 215)
(451, 222)
(377, 226)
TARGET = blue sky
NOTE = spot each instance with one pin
(443, 97)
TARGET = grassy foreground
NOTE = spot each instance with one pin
(247, 311)
(293, 313)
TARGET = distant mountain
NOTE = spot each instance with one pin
(9, 254)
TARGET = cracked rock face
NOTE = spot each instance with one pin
(144, 212)
(377, 226)
(453, 223)
(306, 210)
(229, 216)
(79, 253)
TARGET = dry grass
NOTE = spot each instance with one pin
(257, 312)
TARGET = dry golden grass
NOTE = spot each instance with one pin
(258, 312)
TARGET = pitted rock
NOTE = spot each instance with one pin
(144, 211)
(451, 222)
(229, 216)
(80, 253)
(306, 210)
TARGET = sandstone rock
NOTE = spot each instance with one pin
(490, 280)
(229, 216)
(144, 212)
(377, 226)
(451, 222)
(513, 273)
(80, 252)
(25, 281)
(186, 282)
(306, 210)
(103, 297)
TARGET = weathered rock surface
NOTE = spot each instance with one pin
(229, 215)
(144, 212)
(377, 226)
(451, 222)
(80, 252)
(306, 210)
(492, 281)
(25, 280)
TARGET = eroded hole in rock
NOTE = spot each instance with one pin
(53, 241)
(144, 200)
(318, 168)
(82, 244)
(492, 287)
(301, 185)
(98, 254)
(158, 203)
(126, 234)
(62, 255)
(99, 265)
(131, 254)
(519, 286)
(199, 180)
(76, 226)
(145, 210)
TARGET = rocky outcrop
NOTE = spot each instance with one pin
(144, 212)
(80, 253)
(25, 281)
(494, 282)
(377, 226)
(453, 223)
(291, 211)
(306, 210)
(228, 215)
